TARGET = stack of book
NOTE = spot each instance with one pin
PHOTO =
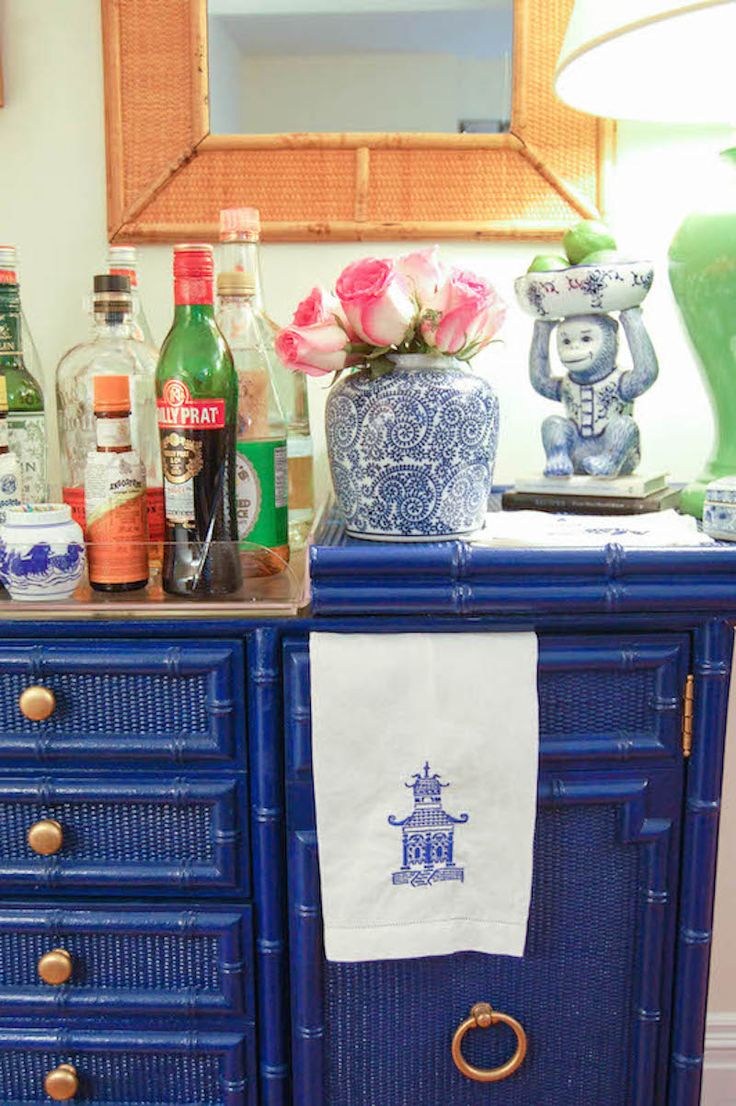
(592, 495)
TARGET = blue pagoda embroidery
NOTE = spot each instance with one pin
(427, 835)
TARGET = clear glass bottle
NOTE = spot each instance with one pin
(262, 466)
(112, 350)
(240, 233)
(9, 468)
(123, 261)
(21, 367)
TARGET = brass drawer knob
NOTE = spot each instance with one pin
(55, 967)
(62, 1083)
(37, 703)
(46, 837)
(481, 1017)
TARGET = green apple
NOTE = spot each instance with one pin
(585, 238)
(602, 257)
(547, 263)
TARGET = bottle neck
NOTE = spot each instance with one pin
(193, 312)
(244, 256)
(112, 430)
(112, 324)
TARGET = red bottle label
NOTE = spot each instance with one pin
(177, 409)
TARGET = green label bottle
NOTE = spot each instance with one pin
(26, 417)
(262, 463)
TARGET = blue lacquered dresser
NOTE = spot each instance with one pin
(160, 933)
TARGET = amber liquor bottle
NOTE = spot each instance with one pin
(197, 402)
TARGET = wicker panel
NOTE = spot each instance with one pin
(152, 962)
(119, 1078)
(593, 701)
(453, 185)
(157, 85)
(390, 1024)
(125, 833)
(112, 703)
(284, 184)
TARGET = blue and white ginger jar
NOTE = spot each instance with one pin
(41, 552)
(412, 450)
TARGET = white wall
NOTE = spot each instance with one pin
(52, 204)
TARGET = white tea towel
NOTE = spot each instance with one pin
(540, 529)
(425, 754)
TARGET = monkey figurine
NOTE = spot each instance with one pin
(597, 436)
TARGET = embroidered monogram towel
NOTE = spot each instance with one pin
(425, 754)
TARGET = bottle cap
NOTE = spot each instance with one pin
(123, 261)
(240, 223)
(236, 284)
(3, 395)
(112, 293)
(111, 394)
(194, 259)
(8, 265)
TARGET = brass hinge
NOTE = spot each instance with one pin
(687, 716)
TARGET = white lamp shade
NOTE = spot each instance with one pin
(666, 60)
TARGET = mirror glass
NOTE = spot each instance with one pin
(284, 66)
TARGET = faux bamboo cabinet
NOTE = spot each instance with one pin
(160, 934)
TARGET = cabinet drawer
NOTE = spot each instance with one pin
(150, 701)
(146, 834)
(127, 961)
(123, 1068)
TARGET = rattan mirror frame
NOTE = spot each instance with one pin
(167, 176)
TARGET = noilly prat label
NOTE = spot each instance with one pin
(262, 493)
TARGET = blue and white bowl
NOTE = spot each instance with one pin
(41, 552)
(584, 289)
(412, 451)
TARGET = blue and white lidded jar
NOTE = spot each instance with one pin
(719, 509)
(41, 552)
(412, 450)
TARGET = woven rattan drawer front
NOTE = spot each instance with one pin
(152, 701)
(611, 696)
(131, 1068)
(143, 834)
(124, 960)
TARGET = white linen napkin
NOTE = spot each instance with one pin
(425, 751)
(541, 529)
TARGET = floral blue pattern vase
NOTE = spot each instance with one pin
(412, 450)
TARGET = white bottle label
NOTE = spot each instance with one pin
(113, 432)
(27, 440)
(9, 482)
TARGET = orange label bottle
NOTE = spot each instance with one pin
(115, 494)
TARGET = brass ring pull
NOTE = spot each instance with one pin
(62, 1083)
(55, 967)
(481, 1017)
(37, 703)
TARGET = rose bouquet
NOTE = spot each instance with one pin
(414, 305)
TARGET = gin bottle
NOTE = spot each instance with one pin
(26, 416)
(240, 232)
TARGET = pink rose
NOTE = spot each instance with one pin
(468, 314)
(315, 350)
(320, 306)
(376, 302)
(424, 273)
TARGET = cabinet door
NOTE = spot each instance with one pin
(593, 991)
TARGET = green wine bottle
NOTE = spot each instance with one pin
(26, 419)
(197, 401)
